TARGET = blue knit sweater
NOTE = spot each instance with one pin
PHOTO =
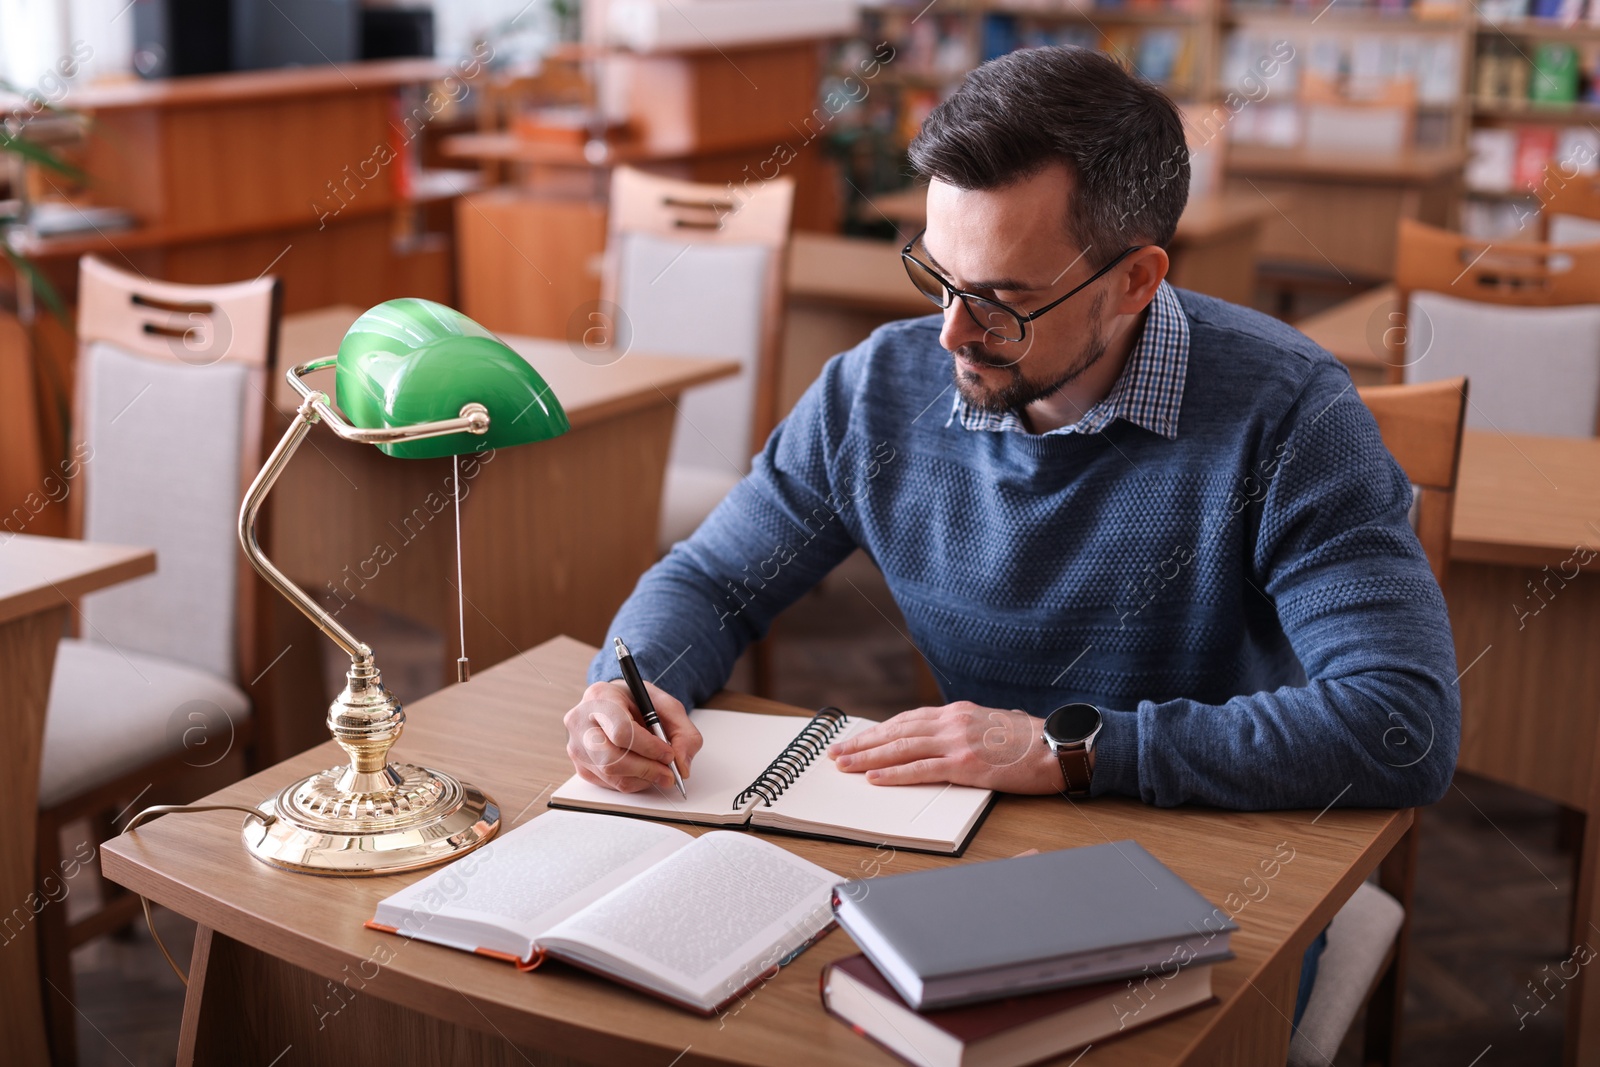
(1246, 602)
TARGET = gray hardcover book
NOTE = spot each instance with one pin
(962, 934)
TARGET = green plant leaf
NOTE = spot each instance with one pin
(41, 285)
(39, 155)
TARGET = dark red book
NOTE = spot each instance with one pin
(1012, 1031)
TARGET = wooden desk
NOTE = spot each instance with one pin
(1353, 331)
(555, 534)
(1527, 510)
(1213, 250)
(283, 959)
(40, 578)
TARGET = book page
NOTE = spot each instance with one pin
(826, 800)
(738, 746)
(529, 879)
(705, 922)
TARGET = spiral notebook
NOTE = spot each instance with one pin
(769, 772)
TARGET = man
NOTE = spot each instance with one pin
(1168, 518)
(1169, 507)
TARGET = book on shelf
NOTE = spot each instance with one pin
(1578, 149)
(1536, 147)
(1008, 1032)
(51, 218)
(1491, 160)
(1554, 79)
(694, 921)
(769, 772)
(1157, 53)
(1502, 10)
(978, 931)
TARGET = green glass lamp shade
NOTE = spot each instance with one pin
(409, 361)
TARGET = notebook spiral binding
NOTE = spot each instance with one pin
(796, 756)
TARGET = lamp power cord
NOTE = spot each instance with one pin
(183, 809)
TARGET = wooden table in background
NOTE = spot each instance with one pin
(1337, 212)
(1525, 608)
(282, 959)
(40, 578)
(554, 534)
(1353, 331)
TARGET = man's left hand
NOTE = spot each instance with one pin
(962, 743)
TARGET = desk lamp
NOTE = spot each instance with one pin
(418, 380)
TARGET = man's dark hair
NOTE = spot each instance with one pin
(1120, 136)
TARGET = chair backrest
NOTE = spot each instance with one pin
(1571, 210)
(170, 399)
(699, 270)
(1522, 320)
(1421, 426)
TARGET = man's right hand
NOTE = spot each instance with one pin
(610, 745)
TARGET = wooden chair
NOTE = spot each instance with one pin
(1421, 426)
(1571, 213)
(699, 270)
(1521, 320)
(504, 95)
(1369, 939)
(170, 405)
(1375, 119)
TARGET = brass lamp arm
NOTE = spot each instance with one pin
(474, 419)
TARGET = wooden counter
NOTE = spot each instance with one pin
(210, 90)
(230, 175)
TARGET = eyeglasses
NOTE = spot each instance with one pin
(992, 317)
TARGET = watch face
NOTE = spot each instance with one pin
(1072, 723)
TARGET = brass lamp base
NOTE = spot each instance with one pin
(370, 816)
(427, 817)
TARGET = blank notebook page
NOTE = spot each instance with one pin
(738, 746)
(825, 796)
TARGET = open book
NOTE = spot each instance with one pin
(695, 921)
(769, 771)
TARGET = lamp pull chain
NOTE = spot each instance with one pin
(463, 668)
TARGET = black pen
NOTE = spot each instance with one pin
(630, 674)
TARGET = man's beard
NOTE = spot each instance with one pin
(1019, 392)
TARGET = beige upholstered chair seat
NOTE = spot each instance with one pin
(111, 712)
(1358, 940)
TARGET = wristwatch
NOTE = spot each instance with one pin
(1069, 732)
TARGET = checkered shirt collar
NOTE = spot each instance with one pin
(1148, 393)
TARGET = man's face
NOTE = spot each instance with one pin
(1011, 245)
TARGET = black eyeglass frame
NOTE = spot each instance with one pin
(964, 295)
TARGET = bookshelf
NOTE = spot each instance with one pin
(1534, 95)
(1357, 69)
(1171, 42)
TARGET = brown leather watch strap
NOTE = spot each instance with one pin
(1074, 770)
